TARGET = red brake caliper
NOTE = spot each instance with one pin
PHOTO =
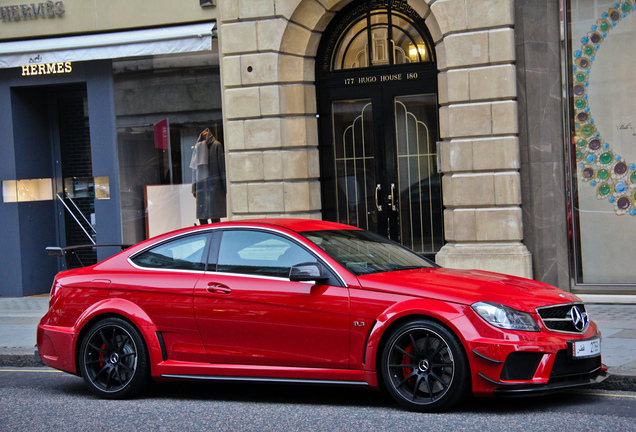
(101, 355)
(406, 360)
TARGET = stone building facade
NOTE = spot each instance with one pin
(268, 69)
(495, 87)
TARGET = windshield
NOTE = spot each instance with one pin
(362, 252)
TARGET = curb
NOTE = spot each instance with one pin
(617, 383)
(19, 360)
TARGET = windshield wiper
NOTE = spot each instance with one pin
(400, 268)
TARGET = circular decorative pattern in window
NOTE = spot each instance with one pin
(601, 166)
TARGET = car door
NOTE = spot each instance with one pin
(249, 312)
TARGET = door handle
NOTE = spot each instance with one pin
(377, 204)
(392, 197)
(218, 288)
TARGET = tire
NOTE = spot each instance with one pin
(113, 359)
(424, 367)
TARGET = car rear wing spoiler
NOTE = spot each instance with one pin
(71, 251)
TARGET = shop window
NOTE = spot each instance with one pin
(27, 190)
(162, 105)
(87, 187)
(602, 107)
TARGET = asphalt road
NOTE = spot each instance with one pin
(41, 399)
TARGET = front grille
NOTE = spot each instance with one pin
(560, 318)
(565, 365)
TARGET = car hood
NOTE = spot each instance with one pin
(468, 287)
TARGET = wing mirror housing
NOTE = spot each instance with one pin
(305, 272)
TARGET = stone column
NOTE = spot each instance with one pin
(269, 107)
(479, 132)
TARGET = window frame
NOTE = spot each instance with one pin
(204, 253)
(213, 255)
(358, 11)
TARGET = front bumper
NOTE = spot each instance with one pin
(518, 363)
(511, 389)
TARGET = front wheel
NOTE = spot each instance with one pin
(113, 359)
(424, 368)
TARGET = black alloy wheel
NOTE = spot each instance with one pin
(424, 367)
(113, 359)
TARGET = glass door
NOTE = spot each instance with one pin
(379, 162)
(419, 203)
(354, 153)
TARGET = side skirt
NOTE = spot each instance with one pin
(266, 380)
(175, 370)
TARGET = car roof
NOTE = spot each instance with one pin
(298, 225)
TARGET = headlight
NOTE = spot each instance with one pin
(505, 317)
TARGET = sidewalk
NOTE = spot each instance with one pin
(19, 318)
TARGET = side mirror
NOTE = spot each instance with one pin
(305, 272)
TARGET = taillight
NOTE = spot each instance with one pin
(55, 289)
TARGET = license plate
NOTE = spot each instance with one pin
(586, 348)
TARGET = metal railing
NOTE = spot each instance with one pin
(61, 199)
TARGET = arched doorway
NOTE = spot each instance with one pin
(376, 83)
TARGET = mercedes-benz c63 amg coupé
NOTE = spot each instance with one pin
(302, 301)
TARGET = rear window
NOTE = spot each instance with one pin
(184, 253)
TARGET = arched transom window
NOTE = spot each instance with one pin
(376, 33)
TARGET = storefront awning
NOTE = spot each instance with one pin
(147, 42)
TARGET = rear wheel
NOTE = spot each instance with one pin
(424, 367)
(113, 359)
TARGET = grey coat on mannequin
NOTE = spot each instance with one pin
(208, 179)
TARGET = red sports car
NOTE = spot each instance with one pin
(301, 301)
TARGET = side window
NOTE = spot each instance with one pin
(185, 253)
(259, 253)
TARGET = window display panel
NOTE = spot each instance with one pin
(27, 190)
(164, 106)
(603, 144)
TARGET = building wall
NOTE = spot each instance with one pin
(268, 49)
(89, 16)
(501, 135)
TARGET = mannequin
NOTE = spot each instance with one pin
(208, 178)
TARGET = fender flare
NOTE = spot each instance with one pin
(124, 309)
(442, 312)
